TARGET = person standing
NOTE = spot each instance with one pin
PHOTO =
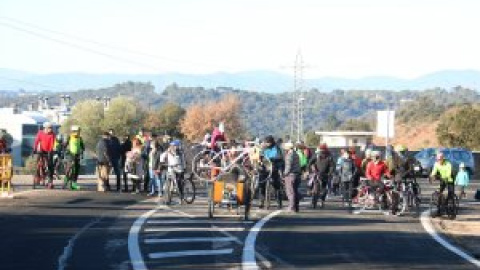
(462, 180)
(126, 146)
(134, 165)
(292, 176)
(153, 167)
(44, 147)
(323, 165)
(103, 163)
(74, 148)
(115, 150)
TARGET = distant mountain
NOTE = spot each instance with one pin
(259, 81)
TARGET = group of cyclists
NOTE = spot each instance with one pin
(149, 158)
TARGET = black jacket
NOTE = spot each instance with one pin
(323, 164)
(103, 156)
(115, 148)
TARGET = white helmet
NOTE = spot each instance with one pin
(47, 125)
(75, 128)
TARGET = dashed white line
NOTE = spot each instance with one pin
(196, 221)
(189, 240)
(173, 254)
(196, 229)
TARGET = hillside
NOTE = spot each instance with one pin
(270, 113)
(265, 81)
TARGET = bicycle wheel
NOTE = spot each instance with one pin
(433, 203)
(268, 194)
(200, 165)
(189, 190)
(452, 207)
(247, 201)
(315, 193)
(168, 190)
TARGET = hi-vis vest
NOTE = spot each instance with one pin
(75, 145)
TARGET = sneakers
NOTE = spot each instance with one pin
(74, 186)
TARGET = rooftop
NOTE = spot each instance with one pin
(345, 133)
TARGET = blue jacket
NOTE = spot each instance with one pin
(462, 178)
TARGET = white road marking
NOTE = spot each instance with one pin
(248, 256)
(67, 251)
(427, 225)
(173, 254)
(196, 229)
(190, 240)
(196, 221)
(12, 195)
(133, 240)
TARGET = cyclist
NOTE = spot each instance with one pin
(218, 135)
(442, 170)
(43, 146)
(347, 171)
(273, 153)
(292, 176)
(175, 160)
(405, 164)
(376, 169)
(323, 166)
(74, 148)
(59, 153)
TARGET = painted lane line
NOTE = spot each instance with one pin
(427, 225)
(67, 251)
(185, 253)
(195, 221)
(190, 240)
(136, 257)
(262, 258)
(248, 257)
(197, 229)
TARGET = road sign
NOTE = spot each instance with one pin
(386, 124)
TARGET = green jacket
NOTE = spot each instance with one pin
(445, 171)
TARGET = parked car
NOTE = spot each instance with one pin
(427, 156)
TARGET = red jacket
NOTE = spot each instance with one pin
(375, 171)
(44, 142)
(356, 160)
(217, 136)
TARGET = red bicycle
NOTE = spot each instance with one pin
(41, 171)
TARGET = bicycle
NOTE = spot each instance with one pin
(171, 186)
(370, 199)
(449, 206)
(409, 196)
(70, 171)
(41, 171)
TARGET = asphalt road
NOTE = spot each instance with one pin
(88, 230)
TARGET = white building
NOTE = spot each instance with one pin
(23, 126)
(346, 138)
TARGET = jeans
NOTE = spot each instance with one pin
(153, 183)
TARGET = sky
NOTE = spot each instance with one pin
(336, 38)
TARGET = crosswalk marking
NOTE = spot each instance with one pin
(190, 240)
(193, 221)
(197, 229)
(173, 254)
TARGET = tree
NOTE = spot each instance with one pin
(459, 128)
(312, 139)
(124, 115)
(331, 123)
(355, 125)
(202, 118)
(89, 116)
(165, 120)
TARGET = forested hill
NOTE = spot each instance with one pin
(269, 113)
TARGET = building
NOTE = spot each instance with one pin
(23, 126)
(346, 138)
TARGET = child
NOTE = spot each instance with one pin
(462, 180)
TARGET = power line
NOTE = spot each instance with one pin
(79, 47)
(118, 48)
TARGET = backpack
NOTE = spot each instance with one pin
(303, 158)
(347, 170)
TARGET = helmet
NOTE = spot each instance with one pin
(288, 145)
(175, 143)
(440, 156)
(462, 165)
(375, 153)
(368, 153)
(400, 148)
(75, 128)
(47, 125)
